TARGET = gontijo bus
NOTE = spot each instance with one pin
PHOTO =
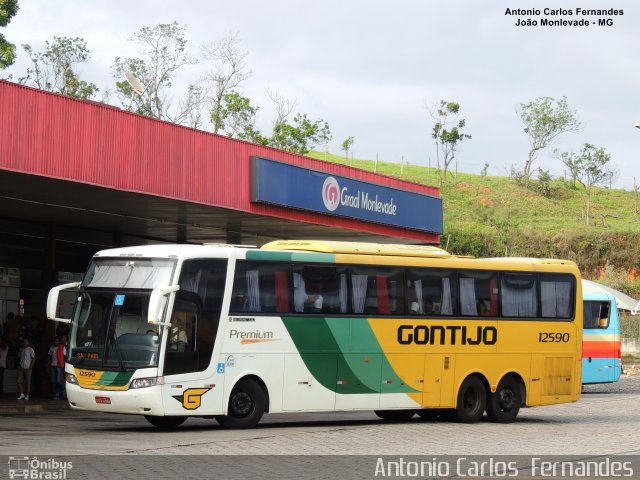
(173, 331)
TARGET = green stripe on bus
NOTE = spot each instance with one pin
(114, 379)
(365, 356)
(343, 355)
(321, 354)
(276, 256)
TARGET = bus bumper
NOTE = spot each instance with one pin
(145, 401)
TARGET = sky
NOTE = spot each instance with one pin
(371, 68)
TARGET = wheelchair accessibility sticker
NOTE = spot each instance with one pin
(221, 367)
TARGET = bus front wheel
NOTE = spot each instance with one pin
(472, 400)
(247, 403)
(165, 422)
(504, 405)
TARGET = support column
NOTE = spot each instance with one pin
(49, 268)
(234, 238)
(181, 234)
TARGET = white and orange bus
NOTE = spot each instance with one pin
(173, 331)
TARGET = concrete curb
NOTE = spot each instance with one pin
(9, 405)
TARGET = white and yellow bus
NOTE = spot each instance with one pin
(173, 331)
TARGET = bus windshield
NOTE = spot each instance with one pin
(109, 327)
(110, 330)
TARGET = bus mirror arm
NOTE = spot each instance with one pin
(52, 301)
(156, 304)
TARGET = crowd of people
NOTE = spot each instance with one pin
(22, 347)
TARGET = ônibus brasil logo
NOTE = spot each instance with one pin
(331, 194)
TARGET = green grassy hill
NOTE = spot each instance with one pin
(493, 216)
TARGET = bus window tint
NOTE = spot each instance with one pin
(519, 295)
(556, 295)
(320, 289)
(596, 314)
(260, 287)
(478, 293)
(429, 292)
(377, 291)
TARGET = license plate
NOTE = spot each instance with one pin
(105, 400)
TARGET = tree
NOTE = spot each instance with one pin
(238, 117)
(589, 168)
(55, 68)
(447, 133)
(229, 73)
(164, 53)
(300, 136)
(544, 119)
(8, 9)
(346, 146)
(283, 106)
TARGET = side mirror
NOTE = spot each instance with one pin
(157, 303)
(52, 301)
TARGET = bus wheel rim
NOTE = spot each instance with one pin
(507, 399)
(470, 400)
(241, 404)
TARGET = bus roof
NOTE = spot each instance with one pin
(358, 248)
(162, 250)
(344, 249)
(530, 260)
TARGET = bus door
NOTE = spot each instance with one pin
(191, 385)
(599, 360)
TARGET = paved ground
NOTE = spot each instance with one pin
(606, 420)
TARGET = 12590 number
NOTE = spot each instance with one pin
(551, 337)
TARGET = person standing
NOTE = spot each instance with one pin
(27, 359)
(61, 355)
(4, 351)
(54, 369)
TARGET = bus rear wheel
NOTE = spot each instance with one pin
(165, 423)
(247, 404)
(395, 415)
(472, 400)
(503, 405)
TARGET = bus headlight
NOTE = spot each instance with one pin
(147, 382)
(71, 378)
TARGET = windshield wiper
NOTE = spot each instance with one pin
(117, 349)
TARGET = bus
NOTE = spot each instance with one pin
(601, 355)
(231, 332)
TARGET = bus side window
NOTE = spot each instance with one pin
(377, 290)
(320, 289)
(260, 287)
(596, 314)
(429, 292)
(479, 295)
(557, 295)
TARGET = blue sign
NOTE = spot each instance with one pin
(288, 185)
(119, 301)
(220, 368)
